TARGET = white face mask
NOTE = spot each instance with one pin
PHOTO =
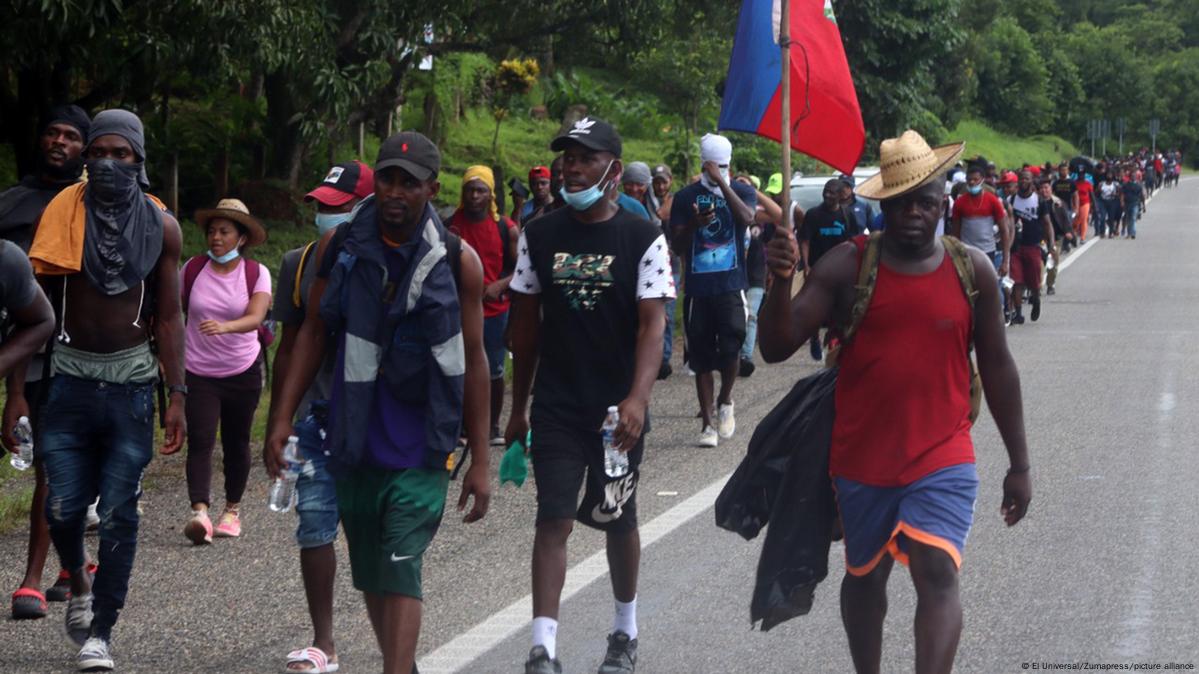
(711, 184)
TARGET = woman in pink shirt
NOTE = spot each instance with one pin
(226, 298)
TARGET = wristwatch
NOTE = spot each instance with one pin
(177, 388)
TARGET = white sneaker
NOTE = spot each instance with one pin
(93, 517)
(95, 656)
(726, 422)
(78, 620)
(709, 437)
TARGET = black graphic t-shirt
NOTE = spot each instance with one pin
(1028, 212)
(590, 278)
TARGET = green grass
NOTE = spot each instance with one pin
(1009, 151)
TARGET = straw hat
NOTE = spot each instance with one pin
(908, 163)
(235, 210)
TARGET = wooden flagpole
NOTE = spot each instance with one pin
(785, 136)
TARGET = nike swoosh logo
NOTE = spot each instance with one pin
(400, 559)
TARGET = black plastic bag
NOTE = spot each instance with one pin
(784, 480)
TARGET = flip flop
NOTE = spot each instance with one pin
(315, 657)
(28, 604)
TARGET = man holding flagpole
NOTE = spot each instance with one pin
(910, 308)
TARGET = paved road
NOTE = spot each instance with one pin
(1103, 569)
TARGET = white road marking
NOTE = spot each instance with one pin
(462, 650)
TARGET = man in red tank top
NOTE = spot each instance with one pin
(901, 457)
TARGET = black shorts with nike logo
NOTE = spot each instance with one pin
(565, 459)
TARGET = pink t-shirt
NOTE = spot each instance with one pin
(221, 297)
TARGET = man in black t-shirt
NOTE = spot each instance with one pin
(59, 165)
(1033, 225)
(824, 228)
(1066, 189)
(588, 298)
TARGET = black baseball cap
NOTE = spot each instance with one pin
(412, 152)
(592, 133)
(661, 171)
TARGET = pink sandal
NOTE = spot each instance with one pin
(317, 660)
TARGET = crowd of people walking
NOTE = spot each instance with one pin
(403, 329)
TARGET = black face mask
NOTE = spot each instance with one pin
(112, 182)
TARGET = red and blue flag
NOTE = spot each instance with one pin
(826, 121)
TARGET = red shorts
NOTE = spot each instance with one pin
(1026, 266)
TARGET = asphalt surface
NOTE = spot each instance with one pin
(1102, 570)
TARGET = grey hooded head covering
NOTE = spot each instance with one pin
(128, 126)
(636, 172)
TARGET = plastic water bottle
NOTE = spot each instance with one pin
(283, 490)
(22, 459)
(616, 462)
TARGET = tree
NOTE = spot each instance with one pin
(1012, 80)
(894, 47)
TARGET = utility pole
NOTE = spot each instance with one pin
(1120, 130)
(1155, 126)
(1091, 129)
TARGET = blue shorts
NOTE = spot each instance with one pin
(316, 494)
(936, 510)
(493, 344)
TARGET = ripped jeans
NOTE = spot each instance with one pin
(96, 439)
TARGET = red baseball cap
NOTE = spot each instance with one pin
(344, 182)
(1034, 170)
(539, 172)
(1009, 177)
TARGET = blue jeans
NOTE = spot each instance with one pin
(316, 495)
(1132, 212)
(493, 344)
(96, 440)
(676, 269)
(753, 298)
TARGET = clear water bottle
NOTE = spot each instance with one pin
(283, 489)
(616, 462)
(22, 459)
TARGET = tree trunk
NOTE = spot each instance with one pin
(283, 134)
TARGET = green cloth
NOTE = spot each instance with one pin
(514, 467)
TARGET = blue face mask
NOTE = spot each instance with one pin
(328, 221)
(226, 258)
(975, 189)
(584, 199)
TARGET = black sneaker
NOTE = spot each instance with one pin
(747, 367)
(665, 371)
(1018, 319)
(621, 657)
(1050, 291)
(539, 662)
(1036, 308)
(816, 350)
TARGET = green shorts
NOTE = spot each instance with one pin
(389, 517)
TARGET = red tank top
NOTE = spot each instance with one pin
(484, 237)
(903, 390)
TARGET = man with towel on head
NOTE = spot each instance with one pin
(709, 219)
(108, 255)
(493, 236)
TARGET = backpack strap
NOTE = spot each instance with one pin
(964, 266)
(253, 269)
(296, 300)
(870, 252)
(191, 271)
(506, 242)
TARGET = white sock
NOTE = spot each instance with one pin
(545, 633)
(626, 618)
